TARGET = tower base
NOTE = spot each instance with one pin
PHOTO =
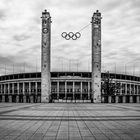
(96, 98)
(45, 99)
(97, 101)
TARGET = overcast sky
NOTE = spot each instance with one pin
(20, 34)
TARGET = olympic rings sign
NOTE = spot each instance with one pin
(71, 35)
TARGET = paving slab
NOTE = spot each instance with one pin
(69, 121)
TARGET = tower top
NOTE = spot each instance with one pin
(97, 13)
(45, 14)
(96, 19)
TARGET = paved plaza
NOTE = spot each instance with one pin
(69, 121)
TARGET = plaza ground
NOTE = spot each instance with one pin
(73, 121)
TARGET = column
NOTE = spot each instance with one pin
(9, 93)
(18, 88)
(96, 57)
(8, 88)
(36, 96)
(130, 89)
(13, 93)
(81, 91)
(124, 99)
(116, 99)
(73, 90)
(121, 88)
(88, 90)
(138, 99)
(17, 96)
(109, 99)
(3, 96)
(45, 58)
(24, 95)
(58, 90)
(13, 88)
(0, 91)
(29, 88)
(131, 99)
(31, 95)
(126, 89)
(10, 98)
(134, 90)
(4, 88)
(66, 90)
(103, 99)
(36, 88)
(23, 88)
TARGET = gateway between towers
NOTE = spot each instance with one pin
(46, 95)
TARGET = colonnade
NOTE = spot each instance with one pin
(121, 99)
(26, 92)
(71, 90)
(128, 93)
(30, 91)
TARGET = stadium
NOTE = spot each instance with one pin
(65, 87)
(47, 86)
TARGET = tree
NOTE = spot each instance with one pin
(109, 86)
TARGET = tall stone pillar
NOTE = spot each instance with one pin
(13, 88)
(8, 88)
(73, 89)
(130, 89)
(10, 98)
(131, 99)
(138, 99)
(109, 99)
(66, 90)
(45, 58)
(3, 98)
(17, 96)
(29, 88)
(36, 92)
(18, 88)
(126, 89)
(58, 90)
(96, 57)
(36, 88)
(116, 99)
(81, 91)
(124, 99)
(23, 90)
(4, 89)
(0, 88)
(88, 90)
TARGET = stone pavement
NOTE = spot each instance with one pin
(69, 121)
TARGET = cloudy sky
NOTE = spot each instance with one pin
(20, 35)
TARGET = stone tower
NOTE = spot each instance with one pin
(96, 57)
(45, 57)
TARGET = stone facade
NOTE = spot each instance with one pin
(45, 61)
(26, 88)
(96, 57)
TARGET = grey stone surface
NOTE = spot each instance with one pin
(96, 57)
(71, 121)
(45, 57)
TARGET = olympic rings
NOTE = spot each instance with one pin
(71, 35)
